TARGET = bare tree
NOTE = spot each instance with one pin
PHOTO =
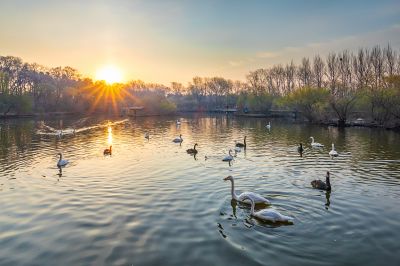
(318, 71)
(304, 73)
(390, 60)
(258, 80)
(345, 70)
(290, 71)
(361, 67)
(332, 69)
(377, 60)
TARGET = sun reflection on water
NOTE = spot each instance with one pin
(109, 137)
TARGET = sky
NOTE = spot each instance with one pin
(165, 41)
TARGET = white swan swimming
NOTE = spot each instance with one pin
(269, 215)
(61, 162)
(268, 126)
(333, 153)
(228, 158)
(257, 198)
(178, 139)
(59, 133)
(315, 144)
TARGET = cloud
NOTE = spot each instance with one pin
(268, 54)
(235, 63)
(238, 68)
(390, 35)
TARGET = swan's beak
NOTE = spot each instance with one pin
(226, 178)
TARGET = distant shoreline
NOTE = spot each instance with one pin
(351, 123)
(12, 116)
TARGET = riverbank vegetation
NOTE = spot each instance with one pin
(341, 87)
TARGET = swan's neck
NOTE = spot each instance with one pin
(328, 182)
(234, 196)
(194, 148)
(333, 147)
(244, 141)
(60, 157)
(252, 207)
(312, 140)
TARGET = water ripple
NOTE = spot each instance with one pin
(151, 203)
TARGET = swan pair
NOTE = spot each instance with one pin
(61, 162)
(332, 153)
(270, 215)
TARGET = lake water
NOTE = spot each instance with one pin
(151, 203)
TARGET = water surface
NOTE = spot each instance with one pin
(150, 203)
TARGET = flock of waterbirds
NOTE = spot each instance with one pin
(250, 198)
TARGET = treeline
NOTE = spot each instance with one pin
(343, 85)
(365, 83)
(27, 88)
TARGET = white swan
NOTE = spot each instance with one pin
(61, 162)
(333, 153)
(257, 198)
(268, 126)
(315, 144)
(178, 139)
(269, 215)
(59, 133)
(178, 122)
(228, 158)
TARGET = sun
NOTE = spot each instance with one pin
(109, 74)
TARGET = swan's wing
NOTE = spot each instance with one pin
(62, 162)
(319, 184)
(273, 215)
(257, 198)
